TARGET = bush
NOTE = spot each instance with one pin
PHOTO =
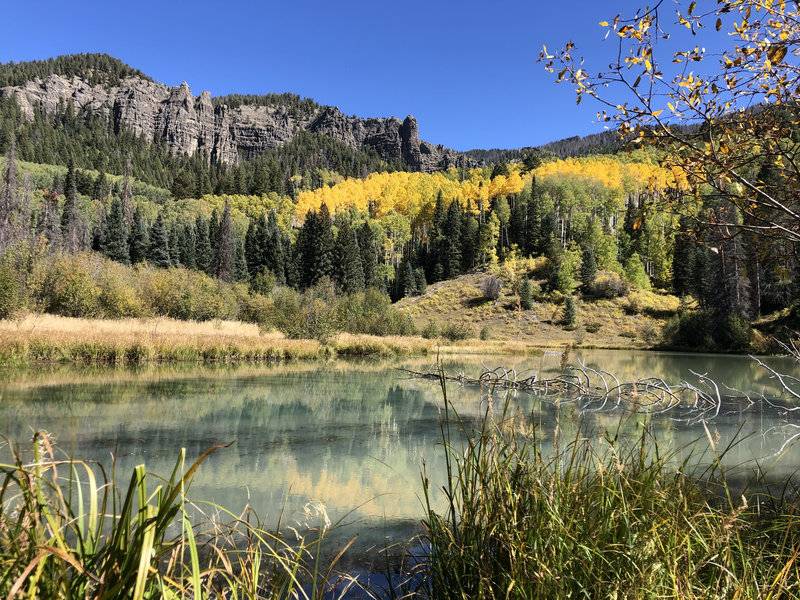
(455, 332)
(430, 331)
(491, 287)
(263, 283)
(593, 327)
(485, 333)
(734, 333)
(688, 329)
(372, 312)
(635, 273)
(68, 287)
(608, 285)
(10, 290)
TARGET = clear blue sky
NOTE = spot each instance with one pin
(466, 70)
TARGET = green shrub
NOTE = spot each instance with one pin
(688, 329)
(570, 313)
(608, 285)
(455, 332)
(10, 290)
(635, 273)
(734, 333)
(69, 288)
(431, 331)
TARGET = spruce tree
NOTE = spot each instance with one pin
(469, 242)
(570, 312)
(451, 259)
(115, 235)
(275, 244)
(202, 252)
(225, 267)
(158, 247)
(349, 273)
(588, 270)
(325, 244)
(70, 215)
(8, 198)
(241, 263)
(368, 247)
(526, 295)
(188, 246)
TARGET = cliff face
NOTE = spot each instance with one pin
(190, 124)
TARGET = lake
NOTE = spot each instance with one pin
(354, 435)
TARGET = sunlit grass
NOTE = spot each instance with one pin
(599, 517)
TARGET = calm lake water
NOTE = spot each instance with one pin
(355, 435)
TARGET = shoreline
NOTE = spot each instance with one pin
(50, 339)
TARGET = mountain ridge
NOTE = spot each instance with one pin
(190, 124)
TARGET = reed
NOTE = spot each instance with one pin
(598, 518)
(69, 531)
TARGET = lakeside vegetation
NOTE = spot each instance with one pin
(598, 514)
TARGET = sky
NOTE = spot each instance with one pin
(466, 70)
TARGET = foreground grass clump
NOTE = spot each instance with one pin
(599, 519)
(67, 532)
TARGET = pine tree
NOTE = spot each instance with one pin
(139, 239)
(127, 193)
(526, 295)
(325, 244)
(349, 273)
(451, 259)
(8, 198)
(368, 247)
(70, 216)
(158, 248)
(241, 263)
(469, 242)
(188, 246)
(225, 267)
(570, 312)
(115, 235)
(275, 249)
(588, 270)
(202, 253)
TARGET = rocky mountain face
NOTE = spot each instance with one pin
(190, 124)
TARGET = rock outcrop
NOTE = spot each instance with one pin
(189, 125)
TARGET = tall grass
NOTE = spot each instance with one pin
(68, 531)
(598, 518)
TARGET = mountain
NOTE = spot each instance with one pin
(227, 130)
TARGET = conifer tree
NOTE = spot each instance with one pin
(158, 246)
(469, 240)
(526, 295)
(71, 221)
(275, 245)
(368, 247)
(115, 235)
(188, 246)
(349, 273)
(213, 238)
(325, 244)
(127, 193)
(225, 267)
(8, 197)
(241, 263)
(588, 270)
(252, 250)
(202, 252)
(451, 259)
(570, 312)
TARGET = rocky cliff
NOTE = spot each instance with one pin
(190, 124)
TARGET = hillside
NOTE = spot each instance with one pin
(631, 321)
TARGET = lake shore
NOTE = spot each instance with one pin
(42, 338)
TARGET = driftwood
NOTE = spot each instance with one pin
(597, 390)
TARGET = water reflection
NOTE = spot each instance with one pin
(355, 435)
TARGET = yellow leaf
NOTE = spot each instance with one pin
(603, 23)
(658, 112)
(647, 65)
(719, 24)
